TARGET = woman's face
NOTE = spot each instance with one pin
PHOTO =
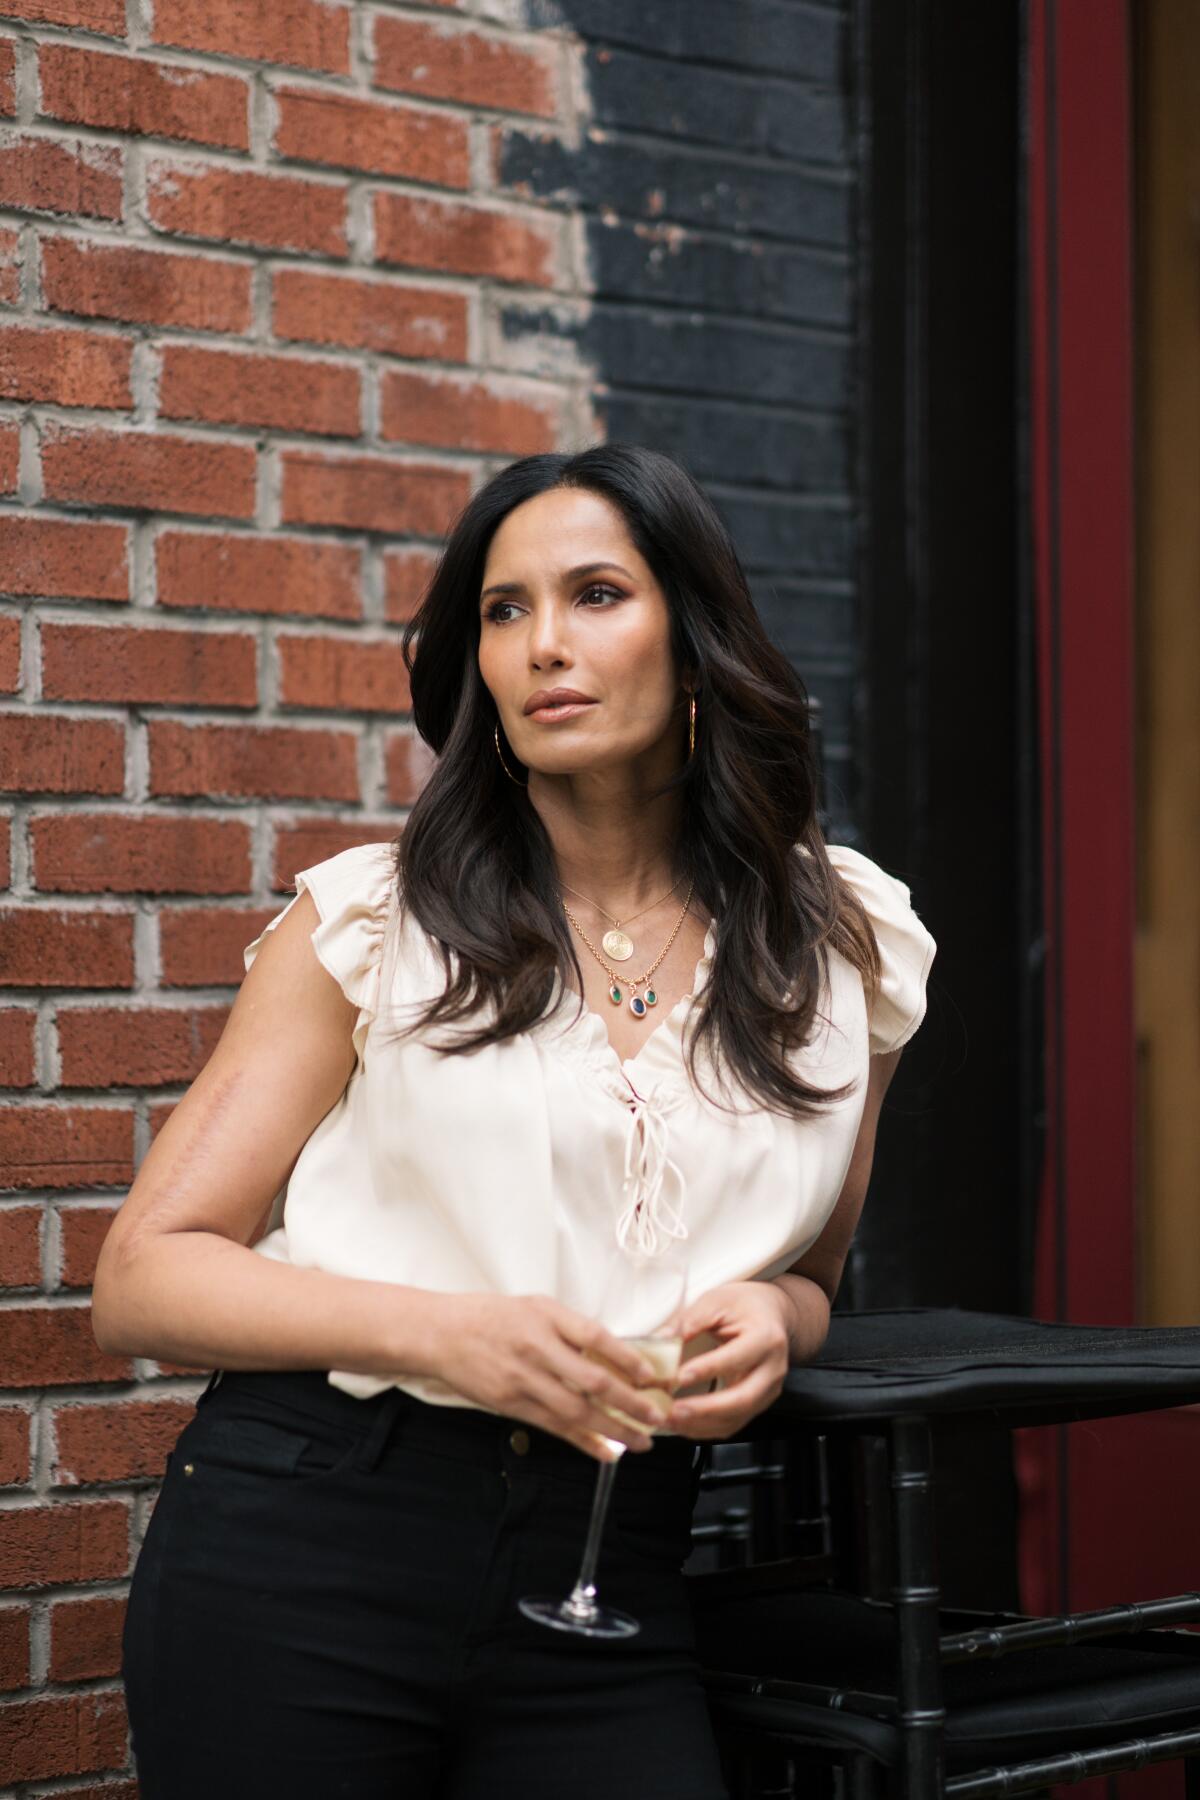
(567, 602)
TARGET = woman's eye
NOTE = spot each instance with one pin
(499, 611)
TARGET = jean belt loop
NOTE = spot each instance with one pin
(209, 1386)
(374, 1441)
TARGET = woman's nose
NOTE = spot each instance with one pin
(548, 640)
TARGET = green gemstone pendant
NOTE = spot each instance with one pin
(651, 997)
(614, 994)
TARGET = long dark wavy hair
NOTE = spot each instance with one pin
(475, 865)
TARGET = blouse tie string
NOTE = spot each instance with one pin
(648, 1211)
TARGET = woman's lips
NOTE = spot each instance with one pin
(566, 709)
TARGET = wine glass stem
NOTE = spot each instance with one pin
(582, 1601)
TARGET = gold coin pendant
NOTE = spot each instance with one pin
(618, 945)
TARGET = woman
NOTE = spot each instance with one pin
(610, 990)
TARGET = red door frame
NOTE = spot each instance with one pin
(1080, 228)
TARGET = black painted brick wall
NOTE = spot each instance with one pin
(715, 186)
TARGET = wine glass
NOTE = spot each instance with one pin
(642, 1302)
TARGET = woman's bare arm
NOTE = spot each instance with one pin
(176, 1279)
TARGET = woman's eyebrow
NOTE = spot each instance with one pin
(592, 568)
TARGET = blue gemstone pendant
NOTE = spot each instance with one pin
(637, 1007)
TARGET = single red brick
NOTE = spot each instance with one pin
(407, 574)
(317, 126)
(85, 1637)
(342, 674)
(413, 57)
(8, 77)
(371, 493)
(469, 240)
(20, 1246)
(460, 414)
(369, 315)
(311, 841)
(258, 574)
(53, 1346)
(16, 1046)
(136, 853)
(42, 754)
(156, 666)
(104, 1790)
(134, 95)
(82, 1231)
(270, 761)
(10, 655)
(62, 175)
(41, 948)
(14, 1646)
(64, 367)
(65, 1146)
(306, 34)
(10, 268)
(108, 1046)
(125, 1440)
(68, 1541)
(54, 558)
(409, 763)
(148, 472)
(106, 17)
(201, 946)
(145, 287)
(10, 457)
(75, 1734)
(230, 387)
(16, 1446)
(238, 206)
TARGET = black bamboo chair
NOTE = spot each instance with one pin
(904, 1696)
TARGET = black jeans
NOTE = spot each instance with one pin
(325, 1605)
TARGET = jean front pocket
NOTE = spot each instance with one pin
(261, 1449)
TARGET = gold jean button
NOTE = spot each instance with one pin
(189, 1468)
(520, 1442)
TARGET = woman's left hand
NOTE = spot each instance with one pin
(752, 1358)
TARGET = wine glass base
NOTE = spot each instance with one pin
(600, 1622)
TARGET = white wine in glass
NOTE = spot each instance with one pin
(636, 1287)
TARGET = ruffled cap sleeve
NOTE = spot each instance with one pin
(352, 892)
(906, 948)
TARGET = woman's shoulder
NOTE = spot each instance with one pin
(906, 946)
(352, 892)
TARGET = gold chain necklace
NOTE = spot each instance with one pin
(638, 1005)
(617, 943)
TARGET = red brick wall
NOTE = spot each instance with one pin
(251, 257)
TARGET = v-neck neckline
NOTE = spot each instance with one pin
(606, 1045)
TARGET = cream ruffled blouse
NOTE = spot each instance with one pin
(520, 1168)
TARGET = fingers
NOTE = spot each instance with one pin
(594, 1339)
(570, 1414)
(723, 1414)
(607, 1391)
(728, 1363)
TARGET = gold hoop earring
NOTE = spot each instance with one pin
(692, 728)
(503, 764)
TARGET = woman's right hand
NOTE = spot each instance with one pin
(524, 1357)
